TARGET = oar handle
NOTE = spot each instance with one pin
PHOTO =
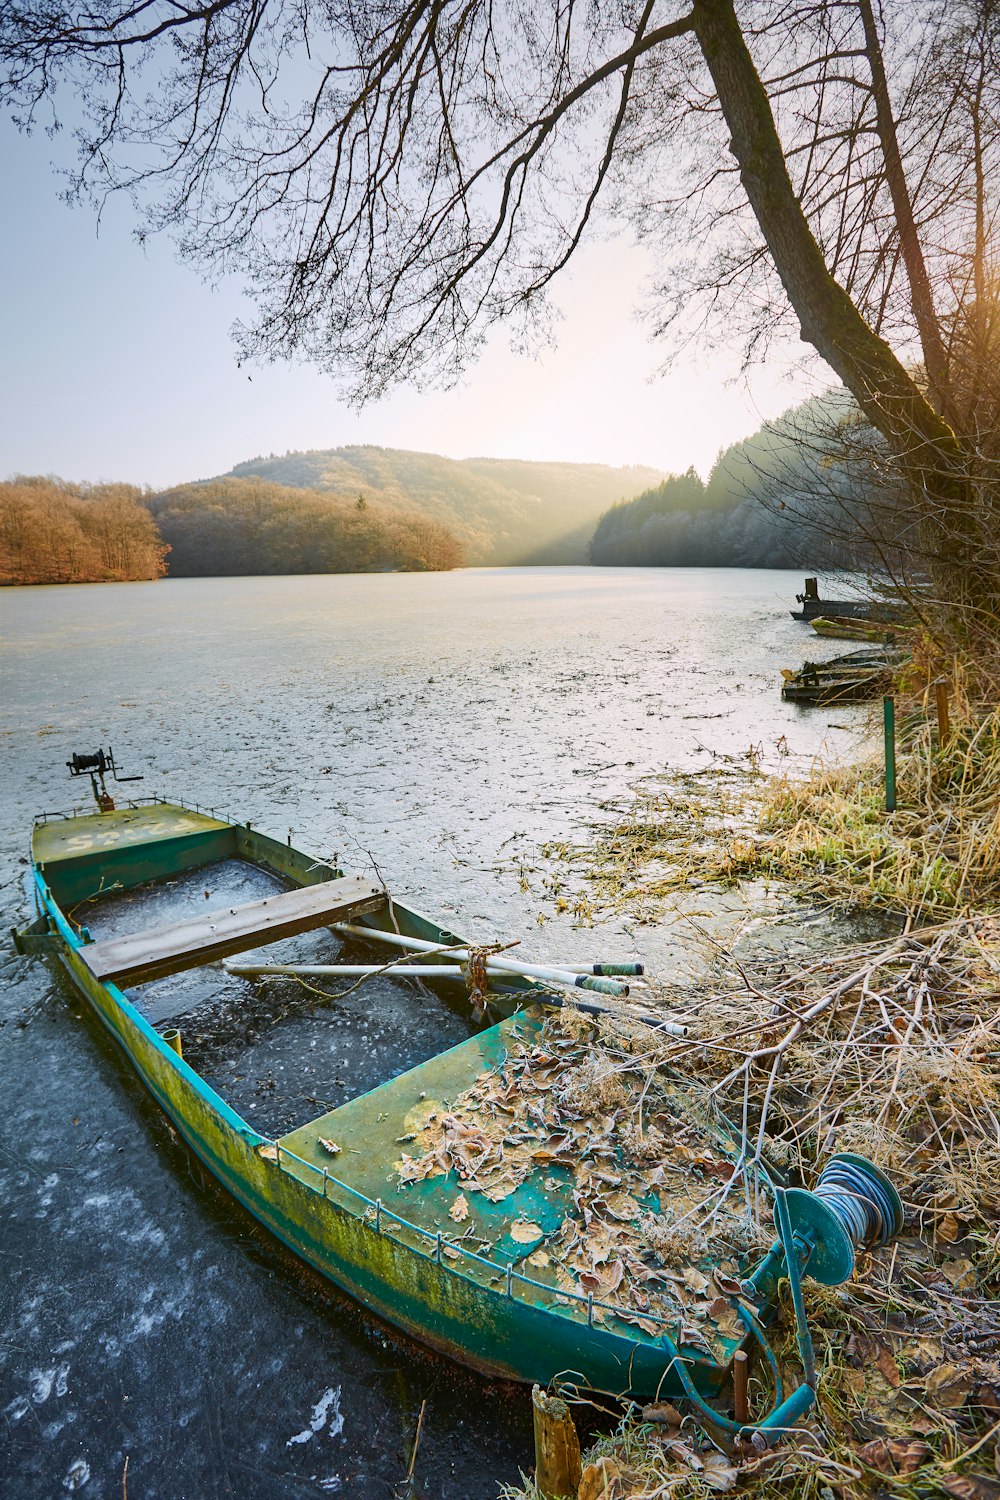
(633, 969)
(602, 986)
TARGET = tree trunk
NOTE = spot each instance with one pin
(926, 447)
(921, 294)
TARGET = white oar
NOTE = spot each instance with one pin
(497, 964)
(427, 971)
(420, 971)
(493, 961)
(404, 970)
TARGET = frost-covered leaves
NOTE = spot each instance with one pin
(696, 1464)
(894, 1455)
(603, 1480)
(581, 1113)
(948, 1386)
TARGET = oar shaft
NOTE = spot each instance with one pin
(420, 971)
(444, 971)
(495, 962)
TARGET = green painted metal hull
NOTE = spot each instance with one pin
(455, 1302)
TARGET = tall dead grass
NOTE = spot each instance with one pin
(828, 836)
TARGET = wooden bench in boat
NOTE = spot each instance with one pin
(200, 940)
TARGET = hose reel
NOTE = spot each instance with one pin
(853, 1207)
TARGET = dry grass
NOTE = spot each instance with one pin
(938, 853)
(677, 830)
(828, 837)
(892, 1050)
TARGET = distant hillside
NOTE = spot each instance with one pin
(226, 527)
(501, 511)
(784, 497)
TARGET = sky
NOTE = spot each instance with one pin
(119, 365)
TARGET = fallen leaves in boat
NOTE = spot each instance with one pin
(655, 1219)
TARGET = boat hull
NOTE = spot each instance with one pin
(502, 1327)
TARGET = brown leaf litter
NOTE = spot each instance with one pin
(590, 1114)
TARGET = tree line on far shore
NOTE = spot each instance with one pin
(52, 531)
(799, 492)
(234, 526)
(791, 495)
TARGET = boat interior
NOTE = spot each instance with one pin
(281, 1052)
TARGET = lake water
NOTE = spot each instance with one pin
(425, 724)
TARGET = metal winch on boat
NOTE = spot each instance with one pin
(853, 1207)
(97, 766)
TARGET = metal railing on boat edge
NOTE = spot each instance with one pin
(151, 800)
(441, 1245)
(157, 798)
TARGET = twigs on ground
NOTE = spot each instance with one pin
(892, 1050)
(897, 1055)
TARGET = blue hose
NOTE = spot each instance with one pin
(864, 1202)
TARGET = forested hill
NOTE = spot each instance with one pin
(230, 526)
(780, 498)
(501, 511)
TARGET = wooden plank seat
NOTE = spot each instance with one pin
(200, 940)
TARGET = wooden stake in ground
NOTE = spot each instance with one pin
(557, 1447)
(741, 1405)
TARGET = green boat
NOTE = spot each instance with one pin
(812, 688)
(835, 627)
(330, 1188)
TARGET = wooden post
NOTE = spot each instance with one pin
(741, 1403)
(941, 700)
(889, 718)
(557, 1447)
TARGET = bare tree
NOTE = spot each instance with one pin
(395, 175)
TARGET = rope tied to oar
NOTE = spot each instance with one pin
(477, 975)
